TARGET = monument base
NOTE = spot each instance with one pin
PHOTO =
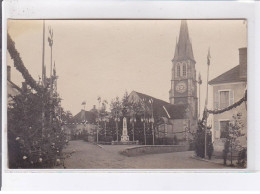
(125, 142)
(124, 138)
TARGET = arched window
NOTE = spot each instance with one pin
(178, 70)
(184, 70)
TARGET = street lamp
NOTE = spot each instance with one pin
(151, 120)
(117, 120)
(105, 120)
(97, 120)
(144, 120)
(133, 121)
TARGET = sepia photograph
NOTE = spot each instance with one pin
(127, 94)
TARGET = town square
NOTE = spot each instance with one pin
(127, 94)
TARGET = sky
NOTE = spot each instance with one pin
(108, 57)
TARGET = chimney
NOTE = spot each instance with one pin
(24, 87)
(94, 107)
(9, 73)
(243, 63)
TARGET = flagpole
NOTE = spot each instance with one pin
(43, 74)
(43, 53)
(206, 104)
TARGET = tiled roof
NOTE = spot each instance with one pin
(89, 116)
(163, 108)
(229, 76)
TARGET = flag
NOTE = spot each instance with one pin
(208, 57)
(199, 79)
(83, 103)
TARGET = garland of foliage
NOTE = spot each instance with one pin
(238, 103)
(19, 65)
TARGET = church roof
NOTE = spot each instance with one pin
(165, 109)
(183, 49)
(230, 76)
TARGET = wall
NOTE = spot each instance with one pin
(157, 149)
(11, 91)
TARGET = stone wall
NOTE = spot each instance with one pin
(154, 149)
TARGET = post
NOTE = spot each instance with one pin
(152, 121)
(116, 129)
(144, 120)
(50, 39)
(144, 133)
(105, 128)
(43, 54)
(133, 130)
(199, 82)
(97, 131)
(153, 132)
(43, 73)
(206, 129)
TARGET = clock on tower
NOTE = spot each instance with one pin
(181, 87)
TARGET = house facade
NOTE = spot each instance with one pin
(229, 88)
(12, 89)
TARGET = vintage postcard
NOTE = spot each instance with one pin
(127, 94)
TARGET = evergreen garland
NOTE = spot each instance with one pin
(236, 104)
(19, 65)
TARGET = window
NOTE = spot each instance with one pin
(224, 127)
(184, 71)
(178, 70)
(224, 99)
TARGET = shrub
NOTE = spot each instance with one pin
(242, 158)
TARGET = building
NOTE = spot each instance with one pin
(228, 88)
(12, 89)
(171, 119)
(85, 123)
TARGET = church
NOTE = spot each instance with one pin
(178, 117)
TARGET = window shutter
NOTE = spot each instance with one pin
(216, 129)
(216, 100)
(216, 125)
(231, 97)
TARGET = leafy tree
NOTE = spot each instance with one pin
(233, 132)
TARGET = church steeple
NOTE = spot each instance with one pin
(183, 83)
(183, 49)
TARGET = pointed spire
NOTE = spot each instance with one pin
(183, 49)
(176, 48)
